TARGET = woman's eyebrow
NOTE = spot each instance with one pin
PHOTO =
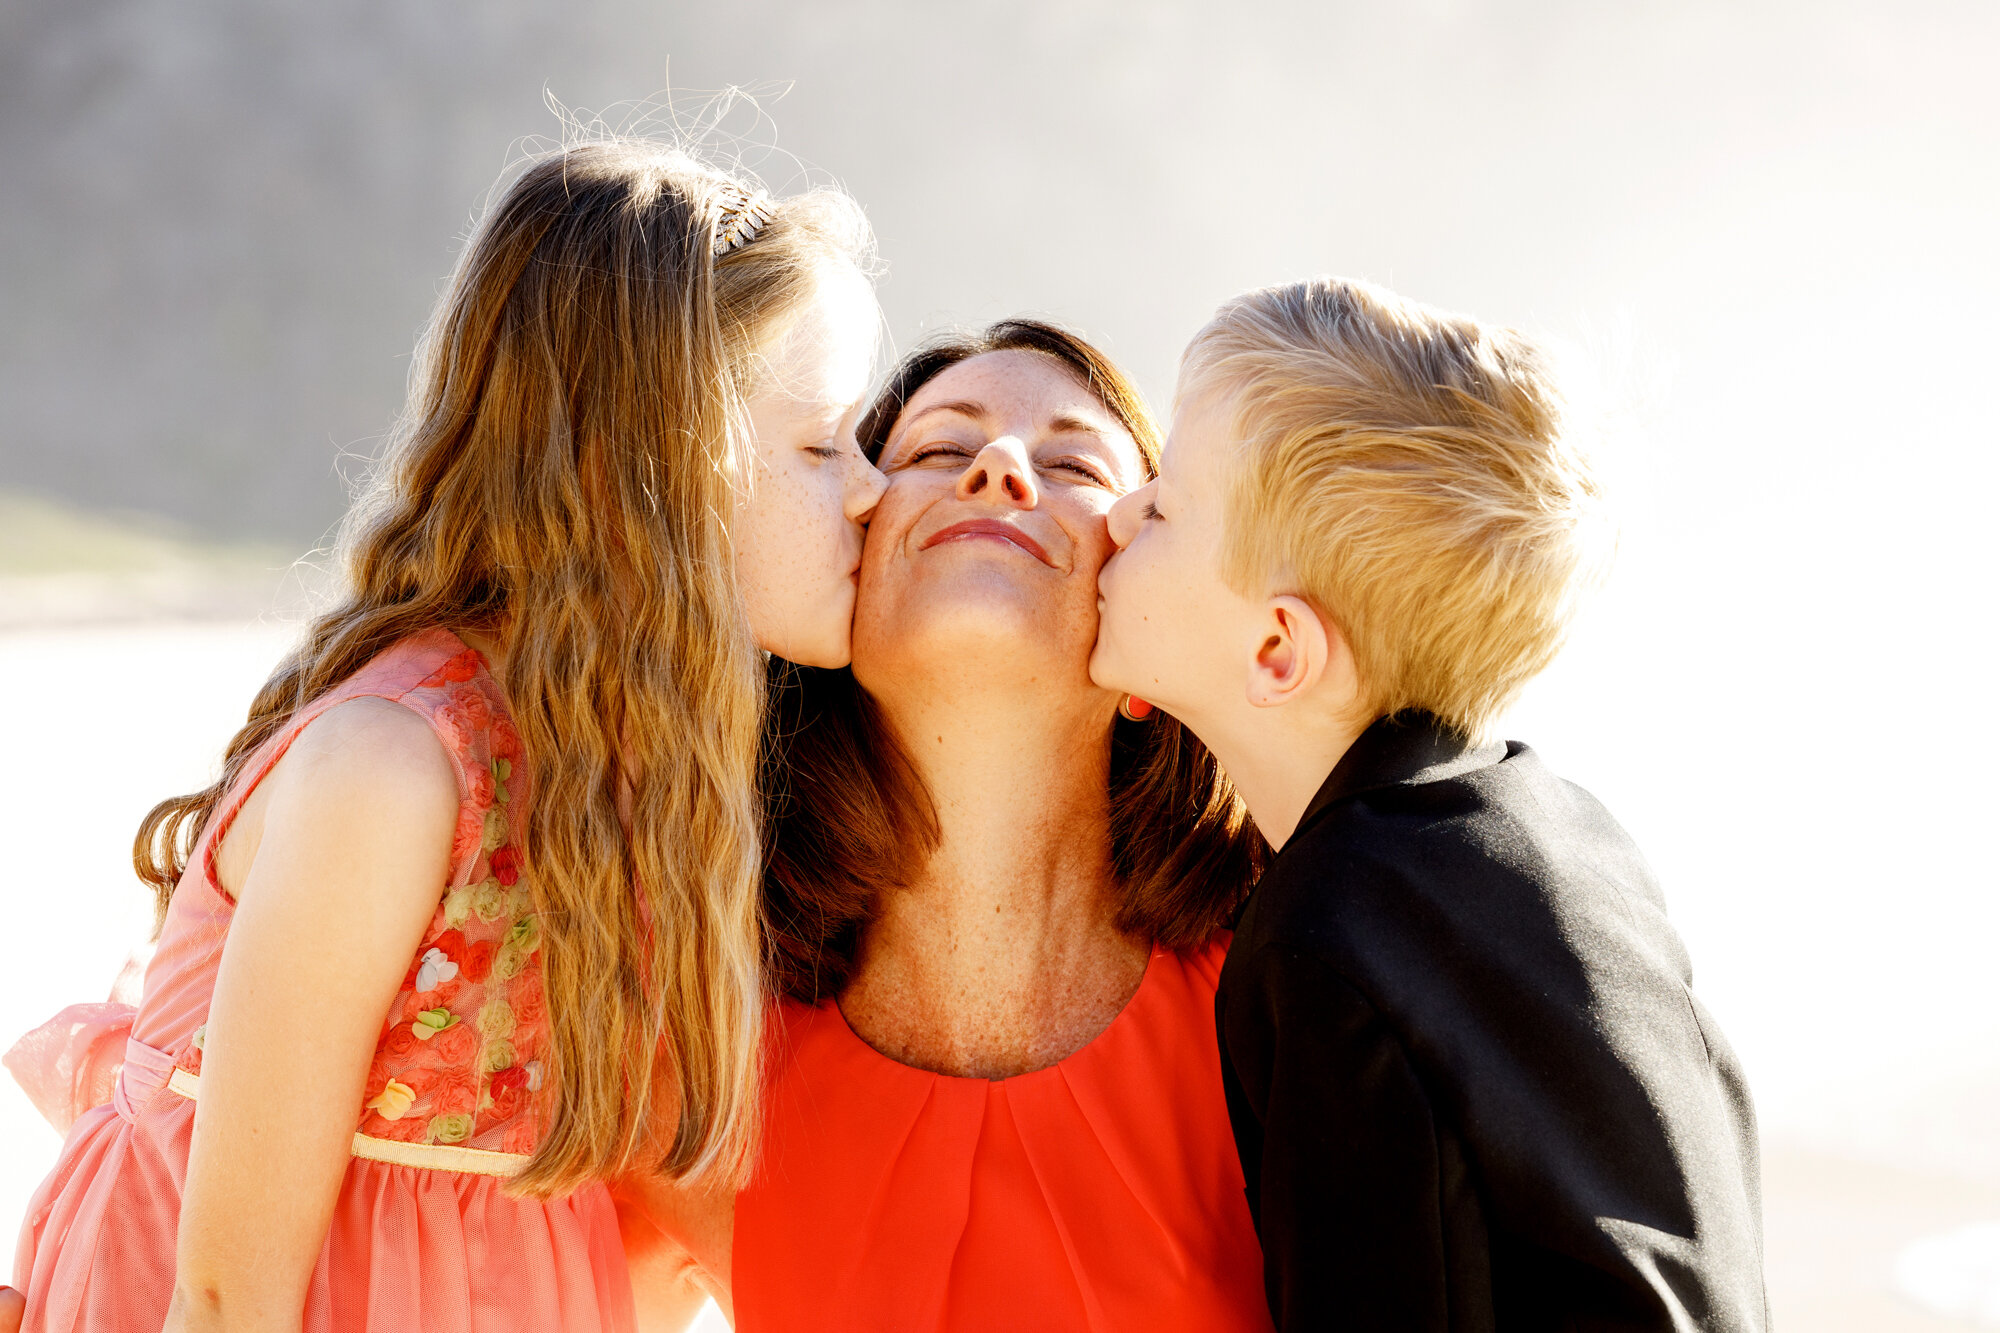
(964, 408)
(1072, 423)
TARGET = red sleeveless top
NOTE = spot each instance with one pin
(1101, 1193)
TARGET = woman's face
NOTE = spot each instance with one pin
(983, 553)
(799, 522)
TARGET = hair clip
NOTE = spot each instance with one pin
(742, 218)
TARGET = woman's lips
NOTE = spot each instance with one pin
(989, 527)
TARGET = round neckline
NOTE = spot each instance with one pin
(1118, 1021)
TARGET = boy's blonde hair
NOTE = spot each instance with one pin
(1405, 471)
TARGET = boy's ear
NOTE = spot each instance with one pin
(1295, 646)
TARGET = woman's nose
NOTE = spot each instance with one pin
(1001, 474)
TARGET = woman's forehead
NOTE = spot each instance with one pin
(1012, 386)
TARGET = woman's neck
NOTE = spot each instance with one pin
(1002, 957)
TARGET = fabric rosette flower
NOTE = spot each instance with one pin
(456, 1045)
(400, 1043)
(434, 968)
(531, 1005)
(471, 828)
(504, 740)
(505, 863)
(470, 702)
(458, 907)
(493, 833)
(489, 901)
(505, 1092)
(510, 962)
(480, 788)
(456, 670)
(454, 1094)
(498, 1056)
(496, 1019)
(478, 962)
(430, 1022)
(525, 935)
(394, 1101)
(455, 1128)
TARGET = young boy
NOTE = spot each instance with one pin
(1469, 1084)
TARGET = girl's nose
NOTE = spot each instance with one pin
(1001, 474)
(864, 491)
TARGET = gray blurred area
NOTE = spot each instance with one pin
(224, 222)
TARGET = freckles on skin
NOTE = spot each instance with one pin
(796, 544)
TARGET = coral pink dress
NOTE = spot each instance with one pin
(1102, 1193)
(423, 1236)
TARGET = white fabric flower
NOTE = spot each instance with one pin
(434, 969)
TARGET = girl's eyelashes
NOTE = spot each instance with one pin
(1149, 511)
(823, 450)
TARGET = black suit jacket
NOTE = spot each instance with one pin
(1470, 1086)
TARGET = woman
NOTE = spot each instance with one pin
(994, 1098)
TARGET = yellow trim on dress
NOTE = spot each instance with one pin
(428, 1156)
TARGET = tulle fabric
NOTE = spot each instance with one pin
(1102, 1193)
(440, 1251)
(409, 1247)
(70, 1063)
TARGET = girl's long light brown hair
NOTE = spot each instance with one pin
(567, 466)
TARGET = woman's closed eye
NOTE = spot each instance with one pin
(1079, 468)
(942, 449)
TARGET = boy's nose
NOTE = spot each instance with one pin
(1001, 474)
(1123, 519)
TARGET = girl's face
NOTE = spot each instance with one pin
(799, 522)
(986, 548)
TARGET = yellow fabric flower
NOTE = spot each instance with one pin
(495, 833)
(498, 1055)
(496, 1019)
(520, 902)
(393, 1102)
(489, 901)
(451, 1128)
(510, 962)
(458, 908)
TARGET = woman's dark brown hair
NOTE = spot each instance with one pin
(846, 813)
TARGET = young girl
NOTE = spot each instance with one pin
(469, 924)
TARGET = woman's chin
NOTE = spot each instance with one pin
(990, 639)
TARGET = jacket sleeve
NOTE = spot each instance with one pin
(1350, 1185)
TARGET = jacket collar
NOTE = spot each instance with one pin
(1406, 748)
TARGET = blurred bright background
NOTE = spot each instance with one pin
(1765, 229)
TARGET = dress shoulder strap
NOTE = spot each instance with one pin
(435, 675)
